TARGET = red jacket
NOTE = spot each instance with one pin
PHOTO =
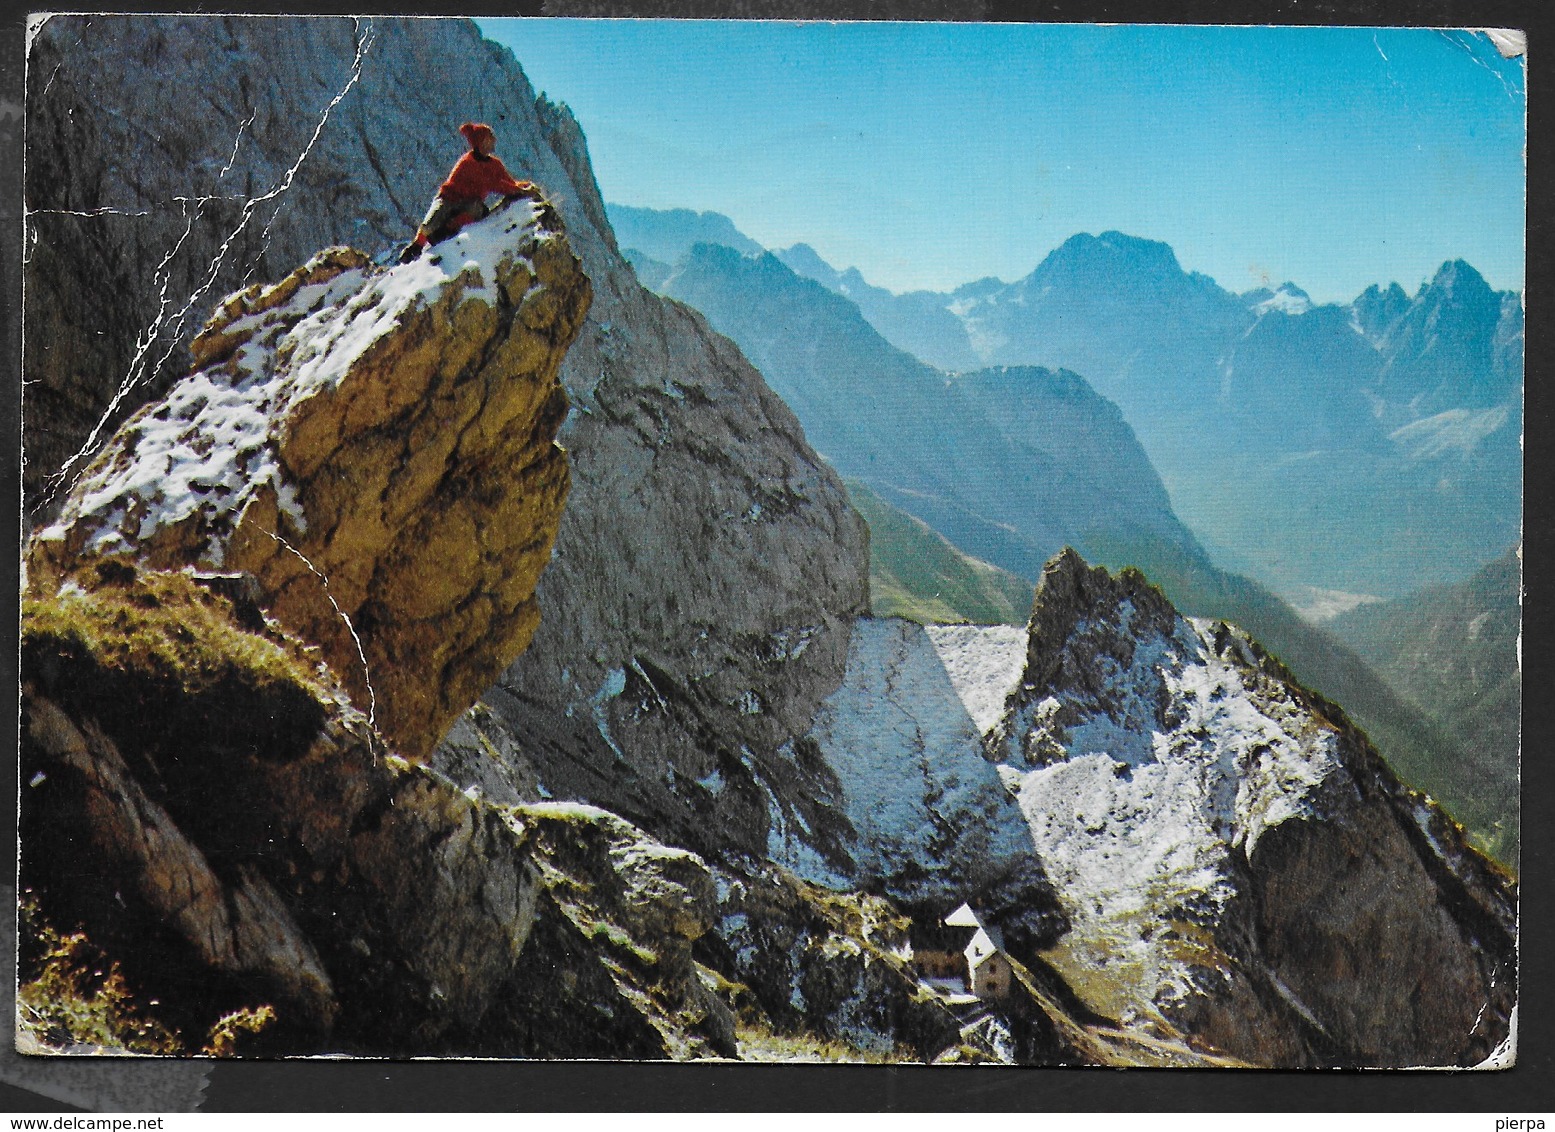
(474, 177)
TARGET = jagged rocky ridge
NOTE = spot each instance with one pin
(1227, 865)
(1234, 858)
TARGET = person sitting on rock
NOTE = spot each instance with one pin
(461, 199)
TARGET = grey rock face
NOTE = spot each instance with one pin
(708, 567)
(700, 596)
(933, 825)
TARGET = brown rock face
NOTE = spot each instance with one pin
(376, 448)
(255, 847)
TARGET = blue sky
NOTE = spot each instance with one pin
(928, 155)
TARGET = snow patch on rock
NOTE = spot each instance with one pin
(984, 664)
(931, 814)
(210, 447)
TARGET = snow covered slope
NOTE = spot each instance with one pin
(934, 825)
(1236, 862)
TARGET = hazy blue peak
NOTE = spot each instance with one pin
(1392, 296)
(668, 234)
(1149, 255)
(1459, 280)
(767, 269)
(1115, 260)
(979, 288)
(805, 259)
(1259, 294)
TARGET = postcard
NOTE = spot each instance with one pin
(977, 544)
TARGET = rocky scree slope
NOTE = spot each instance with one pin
(1234, 860)
(259, 853)
(264, 836)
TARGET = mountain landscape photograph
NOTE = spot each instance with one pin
(696, 540)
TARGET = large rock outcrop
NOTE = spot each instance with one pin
(1236, 861)
(708, 567)
(375, 449)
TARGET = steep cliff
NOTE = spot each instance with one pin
(1236, 861)
(932, 824)
(706, 575)
(702, 542)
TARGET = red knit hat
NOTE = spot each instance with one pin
(474, 131)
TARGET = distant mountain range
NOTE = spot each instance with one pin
(1452, 651)
(1012, 464)
(1274, 421)
(667, 234)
